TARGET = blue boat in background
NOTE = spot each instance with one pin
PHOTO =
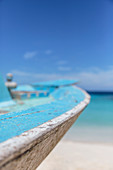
(34, 118)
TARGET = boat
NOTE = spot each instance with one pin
(28, 135)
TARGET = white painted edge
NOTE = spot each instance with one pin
(17, 145)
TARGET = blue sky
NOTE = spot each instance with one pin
(46, 39)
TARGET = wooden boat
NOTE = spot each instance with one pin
(28, 136)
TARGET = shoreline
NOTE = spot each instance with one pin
(87, 142)
(71, 155)
(90, 134)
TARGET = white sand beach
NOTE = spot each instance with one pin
(69, 155)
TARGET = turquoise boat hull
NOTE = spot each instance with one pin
(28, 136)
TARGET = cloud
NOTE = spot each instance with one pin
(48, 52)
(99, 80)
(62, 62)
(90, 80)
(27, 77)
(62, 68)
(29, 55)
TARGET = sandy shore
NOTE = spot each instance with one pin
(69, 155)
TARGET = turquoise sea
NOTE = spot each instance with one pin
(95, 124)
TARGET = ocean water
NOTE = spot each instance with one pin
(95, 124)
